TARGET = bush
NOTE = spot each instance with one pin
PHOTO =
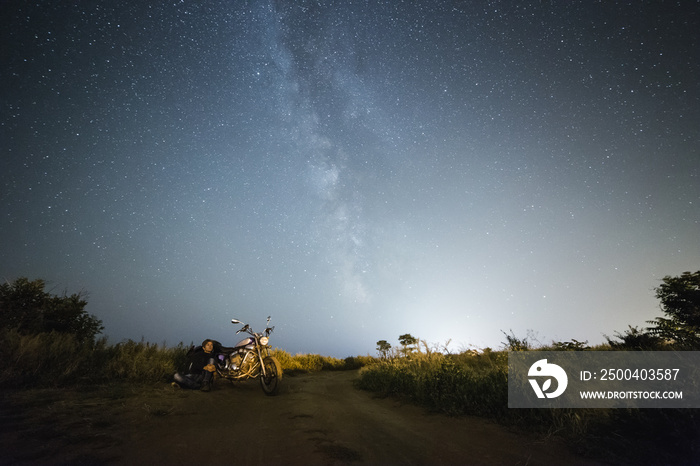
(27, 308)
(357, 362)
(634, 339)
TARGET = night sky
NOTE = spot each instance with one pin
(355, 169)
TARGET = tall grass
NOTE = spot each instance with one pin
(306, 362)
(303, 363)
(452, 384)
(143, 360)
(41, 358)
(59, 359)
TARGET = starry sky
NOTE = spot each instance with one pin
(355, 169)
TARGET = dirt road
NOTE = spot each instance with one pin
(316, 419)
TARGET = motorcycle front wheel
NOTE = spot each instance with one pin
(270, 382)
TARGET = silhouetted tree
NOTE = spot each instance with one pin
(680, 301)
(408, 343)
(383, 347)
(26, 307)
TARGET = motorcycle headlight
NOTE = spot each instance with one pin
(264, 340)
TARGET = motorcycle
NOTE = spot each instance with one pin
(250, 359)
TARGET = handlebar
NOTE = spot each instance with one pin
(246, 328)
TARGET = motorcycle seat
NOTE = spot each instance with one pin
(219, 348)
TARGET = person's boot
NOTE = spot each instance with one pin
(207, 381)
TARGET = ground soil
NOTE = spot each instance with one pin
(317, 418)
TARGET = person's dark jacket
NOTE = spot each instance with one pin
(198, 359)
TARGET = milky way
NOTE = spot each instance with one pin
(356, 170)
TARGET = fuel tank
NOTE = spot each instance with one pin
(248, 343)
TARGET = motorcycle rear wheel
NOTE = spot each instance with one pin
(273, 369)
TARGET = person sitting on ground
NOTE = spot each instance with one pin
(200, 371)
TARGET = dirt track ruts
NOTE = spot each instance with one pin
(322, 419)
(317, 419)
